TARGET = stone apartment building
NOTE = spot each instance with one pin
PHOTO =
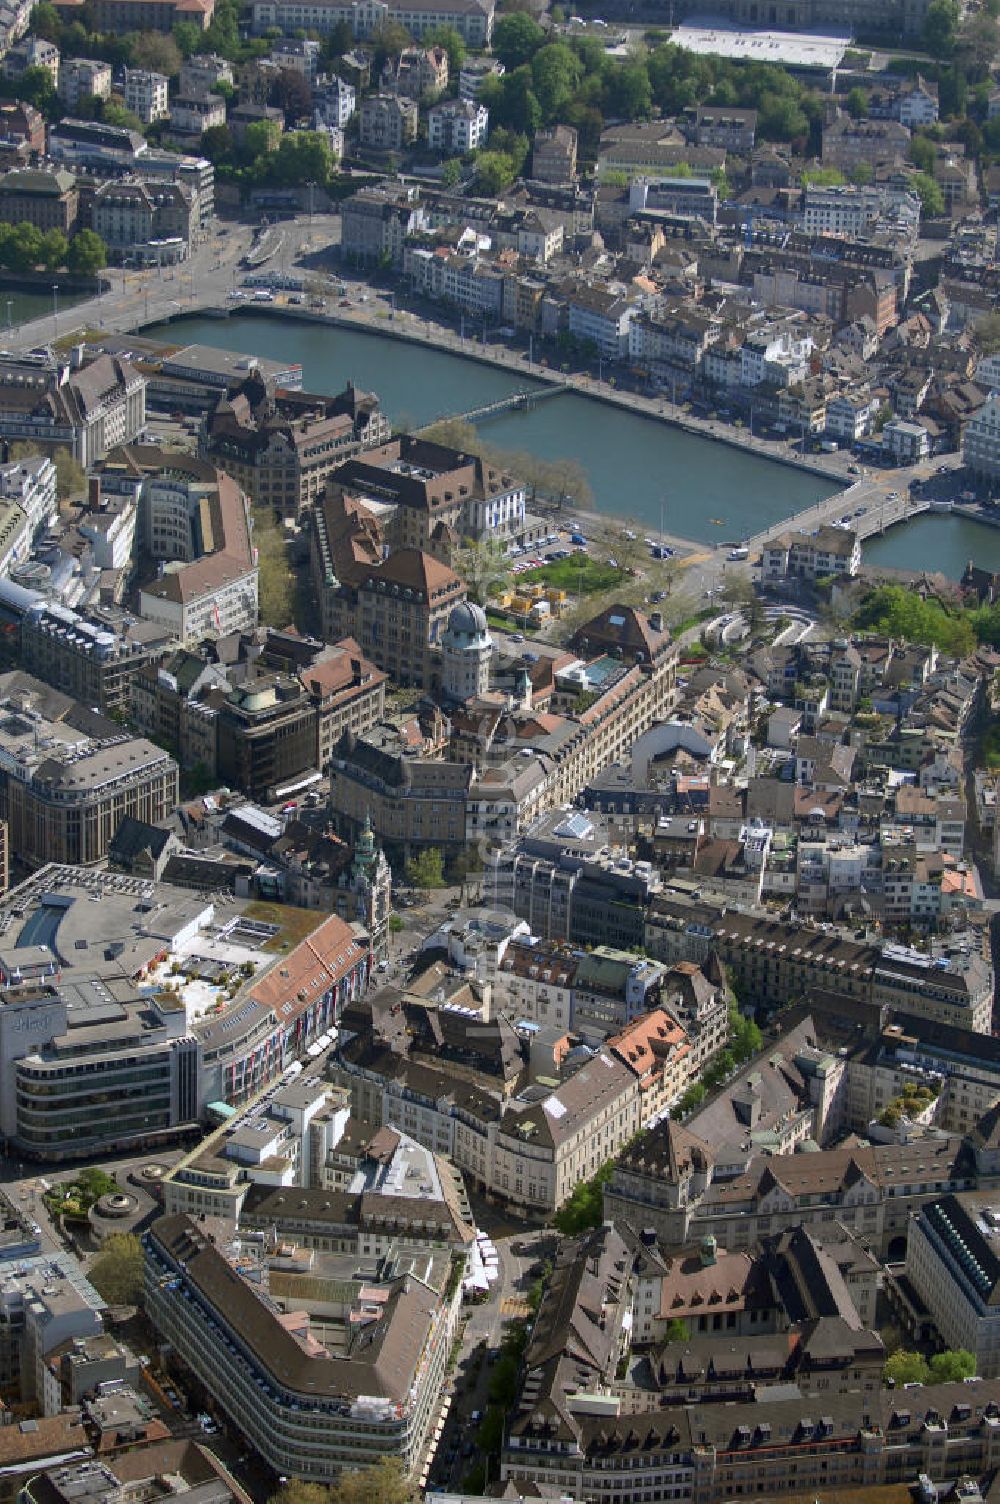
(281, 445)
(437, 495)
(275, 727)
(398, 612)
(88, 407)
(412, 801)
(375, 224)
(553, 154)
(44, 197)
(388, 122)
(136, 219)
(847, 143)
(417, 73)
(146, 94)
(83, 78)
(777, 960)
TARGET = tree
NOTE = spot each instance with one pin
(513, 144)
(217, 143)
(485, 567)
(54, 249)
(426, 870)
(71, 478)
(516, 39)
(987, 334)
(779, 118)
(113, 112)
(260, 138)
(304, 157)
(555, 73)
(388, 38)
(494, 172)
(930, 195)
(339, 39)
(520, 108)
(291, 92)
(585, 1207)
(951, 1366)
(116, 1273)
(922, 153)
(857, 103)
(904, 1367)
(451, 173)
(20, 247)
(36, 87)
(87, 254)
(45, 22)
(296, 1491)
(382, 1483)
(629, 92)
(941, 27)
(677, 1330)
(188, 37)
(156, 52)
(452, 42)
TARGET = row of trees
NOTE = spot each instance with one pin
(25, 248)
(949, 1367)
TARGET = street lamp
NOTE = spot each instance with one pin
(10, 321)
(55, 309)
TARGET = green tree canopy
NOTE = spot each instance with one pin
(899, 613)
(516, 39)
(494, 172)
(426, 870)
(930, 195)
(87, 254)
(157, 52)
(54, 249)
(585, 1207)
(922, 153)
(941, 27)
(857, 102)
(35, 86)
(556, 71)
(304, 157)
(952, 1366)
(116, 1273)
(452, 42)
(905, 1367)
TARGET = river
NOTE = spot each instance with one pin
(708, 491)
(635, 465)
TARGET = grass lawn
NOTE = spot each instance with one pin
(579, 573)
(296, 924)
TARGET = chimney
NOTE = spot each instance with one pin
(656, 620)
(94, 493)
(76, 357)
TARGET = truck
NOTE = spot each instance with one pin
(829, 446)
(736, 554)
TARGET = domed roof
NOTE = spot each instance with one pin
(467, 619)
(467, 629)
